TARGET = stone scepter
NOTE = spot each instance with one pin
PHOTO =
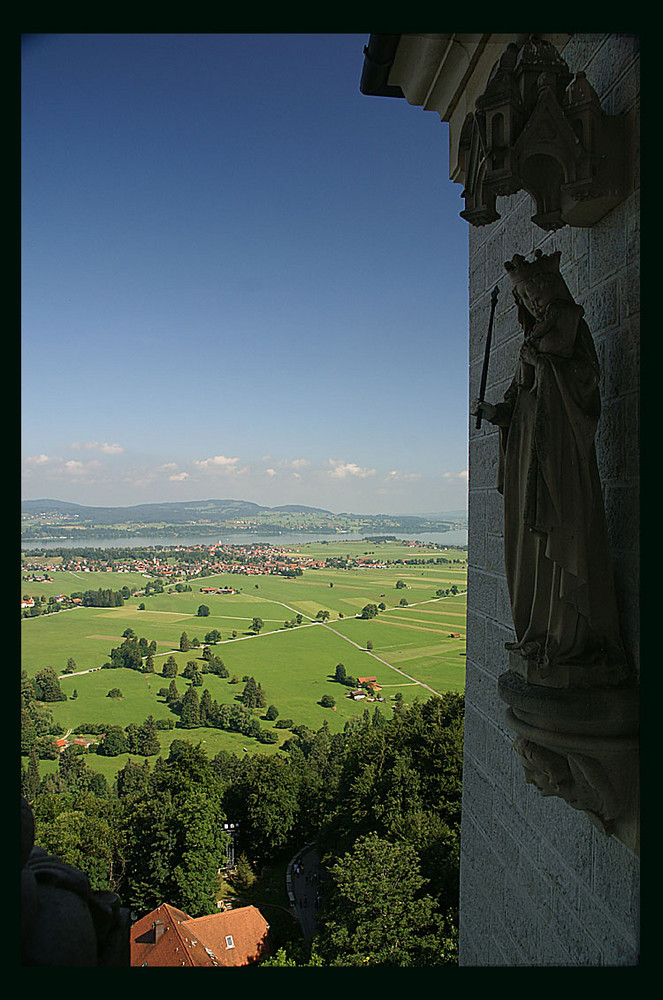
(486, 357)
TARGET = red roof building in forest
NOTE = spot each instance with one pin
(169, 937)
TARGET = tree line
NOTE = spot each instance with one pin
(381, 799)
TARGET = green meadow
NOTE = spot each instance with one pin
(412, 650)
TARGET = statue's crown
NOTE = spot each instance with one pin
(520, 269)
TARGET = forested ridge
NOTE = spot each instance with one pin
(381, 799)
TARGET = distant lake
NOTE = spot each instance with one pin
(455, 537)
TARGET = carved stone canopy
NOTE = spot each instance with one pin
(540, 129)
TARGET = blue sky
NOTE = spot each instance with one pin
(241, 277)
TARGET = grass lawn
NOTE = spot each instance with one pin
(412, 648)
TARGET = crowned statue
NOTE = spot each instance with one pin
(556, 550)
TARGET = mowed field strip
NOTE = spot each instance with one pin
(412, 648)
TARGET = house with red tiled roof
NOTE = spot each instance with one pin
(369, 682)
(169, 937)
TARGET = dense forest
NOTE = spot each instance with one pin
(381, 799)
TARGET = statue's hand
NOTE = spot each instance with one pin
(487, 410)
(528, 353)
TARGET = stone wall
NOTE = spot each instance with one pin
(539, 884)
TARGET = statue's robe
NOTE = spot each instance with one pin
(557, 560)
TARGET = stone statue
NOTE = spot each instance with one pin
(557, 559)
(64, 922)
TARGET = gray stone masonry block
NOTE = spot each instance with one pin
(583, 272)
(610, 63)
(522, 920)
(622, 361)
(552, 951)
(475, 911)
(483, 866)
(476, 637)
(506, 317)
(568, 832)
(474, 744)
(494, 512)
(497, 657)
(495, 553)
(622, 515)
(483, 462)
(495, 261)
(580, 49)
(481, 591)
(520, 233)
(615, 881)
(477, 802)
(601, 307)
(503, 359)
(580, 242)
(565, 887)
(499, 752)
(503, 603)
(607, 246)
(610, 442)
(506, 843)
(632, 437)
(505, 323)
(582, 949)
(476, 536)
(627, 583)
(562, 240)
(477, 273)
(503, 950)
(633, 227)
(615, 941)
(537, 889)
(481, 692)
(629, 287)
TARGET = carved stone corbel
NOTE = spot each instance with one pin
(540, 129)
(582, 746)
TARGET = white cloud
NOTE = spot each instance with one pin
(295, 463)
(107, 449)
(217, 463)
(270, 472)
(396, 476)
(463, 475)
(179, 477)
(167, 467)
(37, 459)
(341, 470)
(75, 468)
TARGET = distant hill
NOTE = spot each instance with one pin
(187, 512)
(50, 520)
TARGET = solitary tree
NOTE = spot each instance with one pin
(170, 667)
(190, 709)
(256, 625)
(376, 912)
(203, 611)
(185, 645)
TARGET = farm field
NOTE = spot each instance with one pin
(413, 652)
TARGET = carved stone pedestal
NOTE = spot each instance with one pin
(582, 746)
